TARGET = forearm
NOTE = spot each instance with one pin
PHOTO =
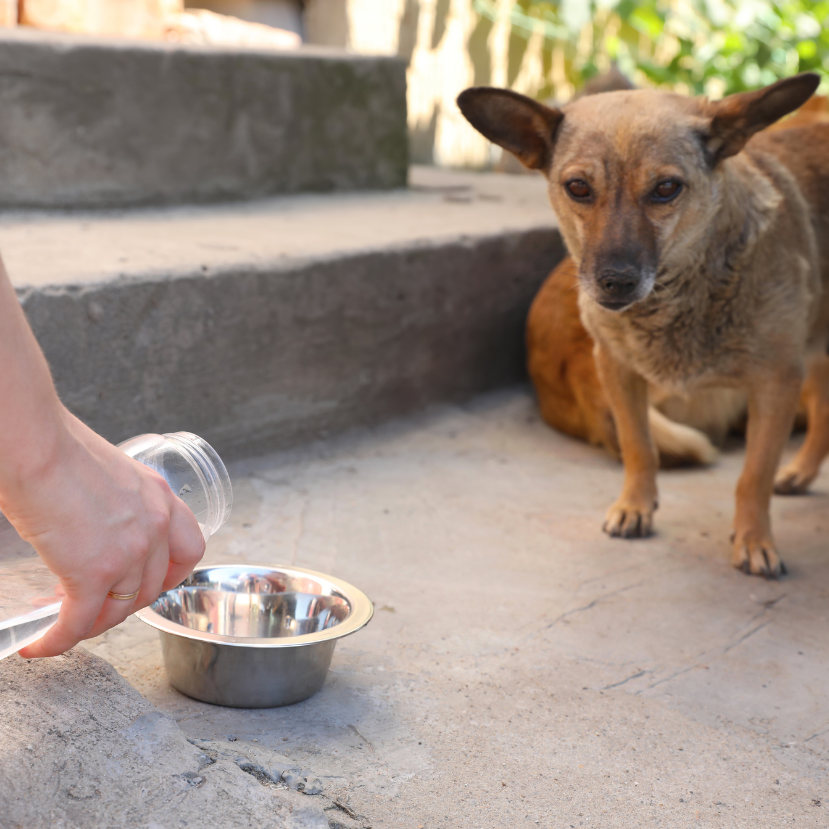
(31, 416)
(105, 525)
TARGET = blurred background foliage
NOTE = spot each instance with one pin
(697, 46)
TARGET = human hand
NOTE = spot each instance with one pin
(102, 522)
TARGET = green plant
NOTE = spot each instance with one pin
(702, 46)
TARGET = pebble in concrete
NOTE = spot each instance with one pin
(263, 764)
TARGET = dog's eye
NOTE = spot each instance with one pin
(667, 190)
(578, 188)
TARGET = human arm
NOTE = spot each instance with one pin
(100, 520)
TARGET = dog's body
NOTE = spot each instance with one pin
(702, 266)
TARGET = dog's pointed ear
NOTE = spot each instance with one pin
(519, 124)
(736, 118)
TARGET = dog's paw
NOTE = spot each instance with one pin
(629, 520)
(757, 557)
(793, 479)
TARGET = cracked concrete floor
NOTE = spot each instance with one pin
(522, 669)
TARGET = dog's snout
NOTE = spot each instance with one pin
(618, 286)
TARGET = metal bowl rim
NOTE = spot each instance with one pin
(360, 615)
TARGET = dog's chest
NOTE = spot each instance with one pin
(679, 350)
(678, 344)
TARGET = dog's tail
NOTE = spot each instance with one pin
(679, 445)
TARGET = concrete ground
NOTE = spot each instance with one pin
(523, 669)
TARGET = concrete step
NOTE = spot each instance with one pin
(268, 324)
(90, 123)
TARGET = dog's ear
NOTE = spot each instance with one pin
(519, 124)
(736, 118)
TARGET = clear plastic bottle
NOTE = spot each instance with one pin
(29, 595)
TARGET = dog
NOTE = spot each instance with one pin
(686, 430)
(561, 365)
(701, 252)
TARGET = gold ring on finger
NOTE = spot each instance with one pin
(123, 597)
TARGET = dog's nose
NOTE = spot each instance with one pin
(618, 283)
(618, 286)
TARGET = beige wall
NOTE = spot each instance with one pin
(284, 14)
(449, 47)
(143, 18)
(134, 18)
(8, 12)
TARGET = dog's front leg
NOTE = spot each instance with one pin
(796, 476)
(632, 514)
(772, 404)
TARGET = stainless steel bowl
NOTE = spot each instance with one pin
(254, 637)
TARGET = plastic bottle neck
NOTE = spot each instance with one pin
(210, 467)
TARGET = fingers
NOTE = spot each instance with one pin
(174, 546)
(87, 617)
(152, 577)
(113, 611)
(186, 545)
(75, 620)
(148, 583)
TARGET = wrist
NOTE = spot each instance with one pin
(30, 451)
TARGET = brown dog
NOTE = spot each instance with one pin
(561, 365)
(702, 259)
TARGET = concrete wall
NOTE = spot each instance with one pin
(94, 123)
